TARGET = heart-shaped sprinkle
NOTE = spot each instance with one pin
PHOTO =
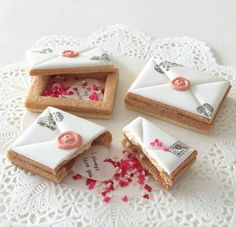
(157, 144)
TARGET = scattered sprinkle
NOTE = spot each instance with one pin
(148, 187)
(77, 177)
(94, 86)
(129, 171)
(156, 143)
(166, 149)
(88, 88)
(106, 199)
(146, 196)
(94, 96)
(83, 89)
(125, 198)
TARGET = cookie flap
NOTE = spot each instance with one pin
(39, 141)
(66, 57)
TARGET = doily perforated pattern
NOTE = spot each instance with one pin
(206, 196)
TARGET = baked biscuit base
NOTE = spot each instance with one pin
(62, 170)
(60, 71)
(159, 175)
(35, 102)
(171, 114)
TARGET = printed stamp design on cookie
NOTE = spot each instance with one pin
(104, 57)
(165, 65)
(178, 148)
(46, 51)
(58, 117)
(206, 109)
(48, 122)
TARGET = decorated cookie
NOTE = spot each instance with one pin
(51, 144)
(164, 156)
(178, 93)
(80, 80)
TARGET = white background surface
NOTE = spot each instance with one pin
(22, 22)
(213, 21)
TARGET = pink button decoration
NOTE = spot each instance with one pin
(69, 140)
(70, 53)
(180, 83)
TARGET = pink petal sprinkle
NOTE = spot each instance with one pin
(106, 199)
(148, 187)
(123, 183)
(94, 86)
(88, 88)
(91, 185)
(156, 140)
(146, 196)
(166, 149)
(77, 177)
(84, 83)
(88, 181)
(125, 198)
(129, 170)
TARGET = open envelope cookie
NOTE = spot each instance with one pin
(178, 94)
(80, 80)
(165, 157)
(51, 144)
(64, 60)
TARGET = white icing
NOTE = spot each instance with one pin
(205, 88)
(143, 132)
(39, 143)
(55, 60)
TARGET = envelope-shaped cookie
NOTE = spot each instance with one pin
(51, 144)
(178, 93)
(164, 156)
(67, 59)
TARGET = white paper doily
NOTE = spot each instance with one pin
(205, 196)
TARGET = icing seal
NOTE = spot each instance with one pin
(70, 53)
(180, 83)
(69, 140)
